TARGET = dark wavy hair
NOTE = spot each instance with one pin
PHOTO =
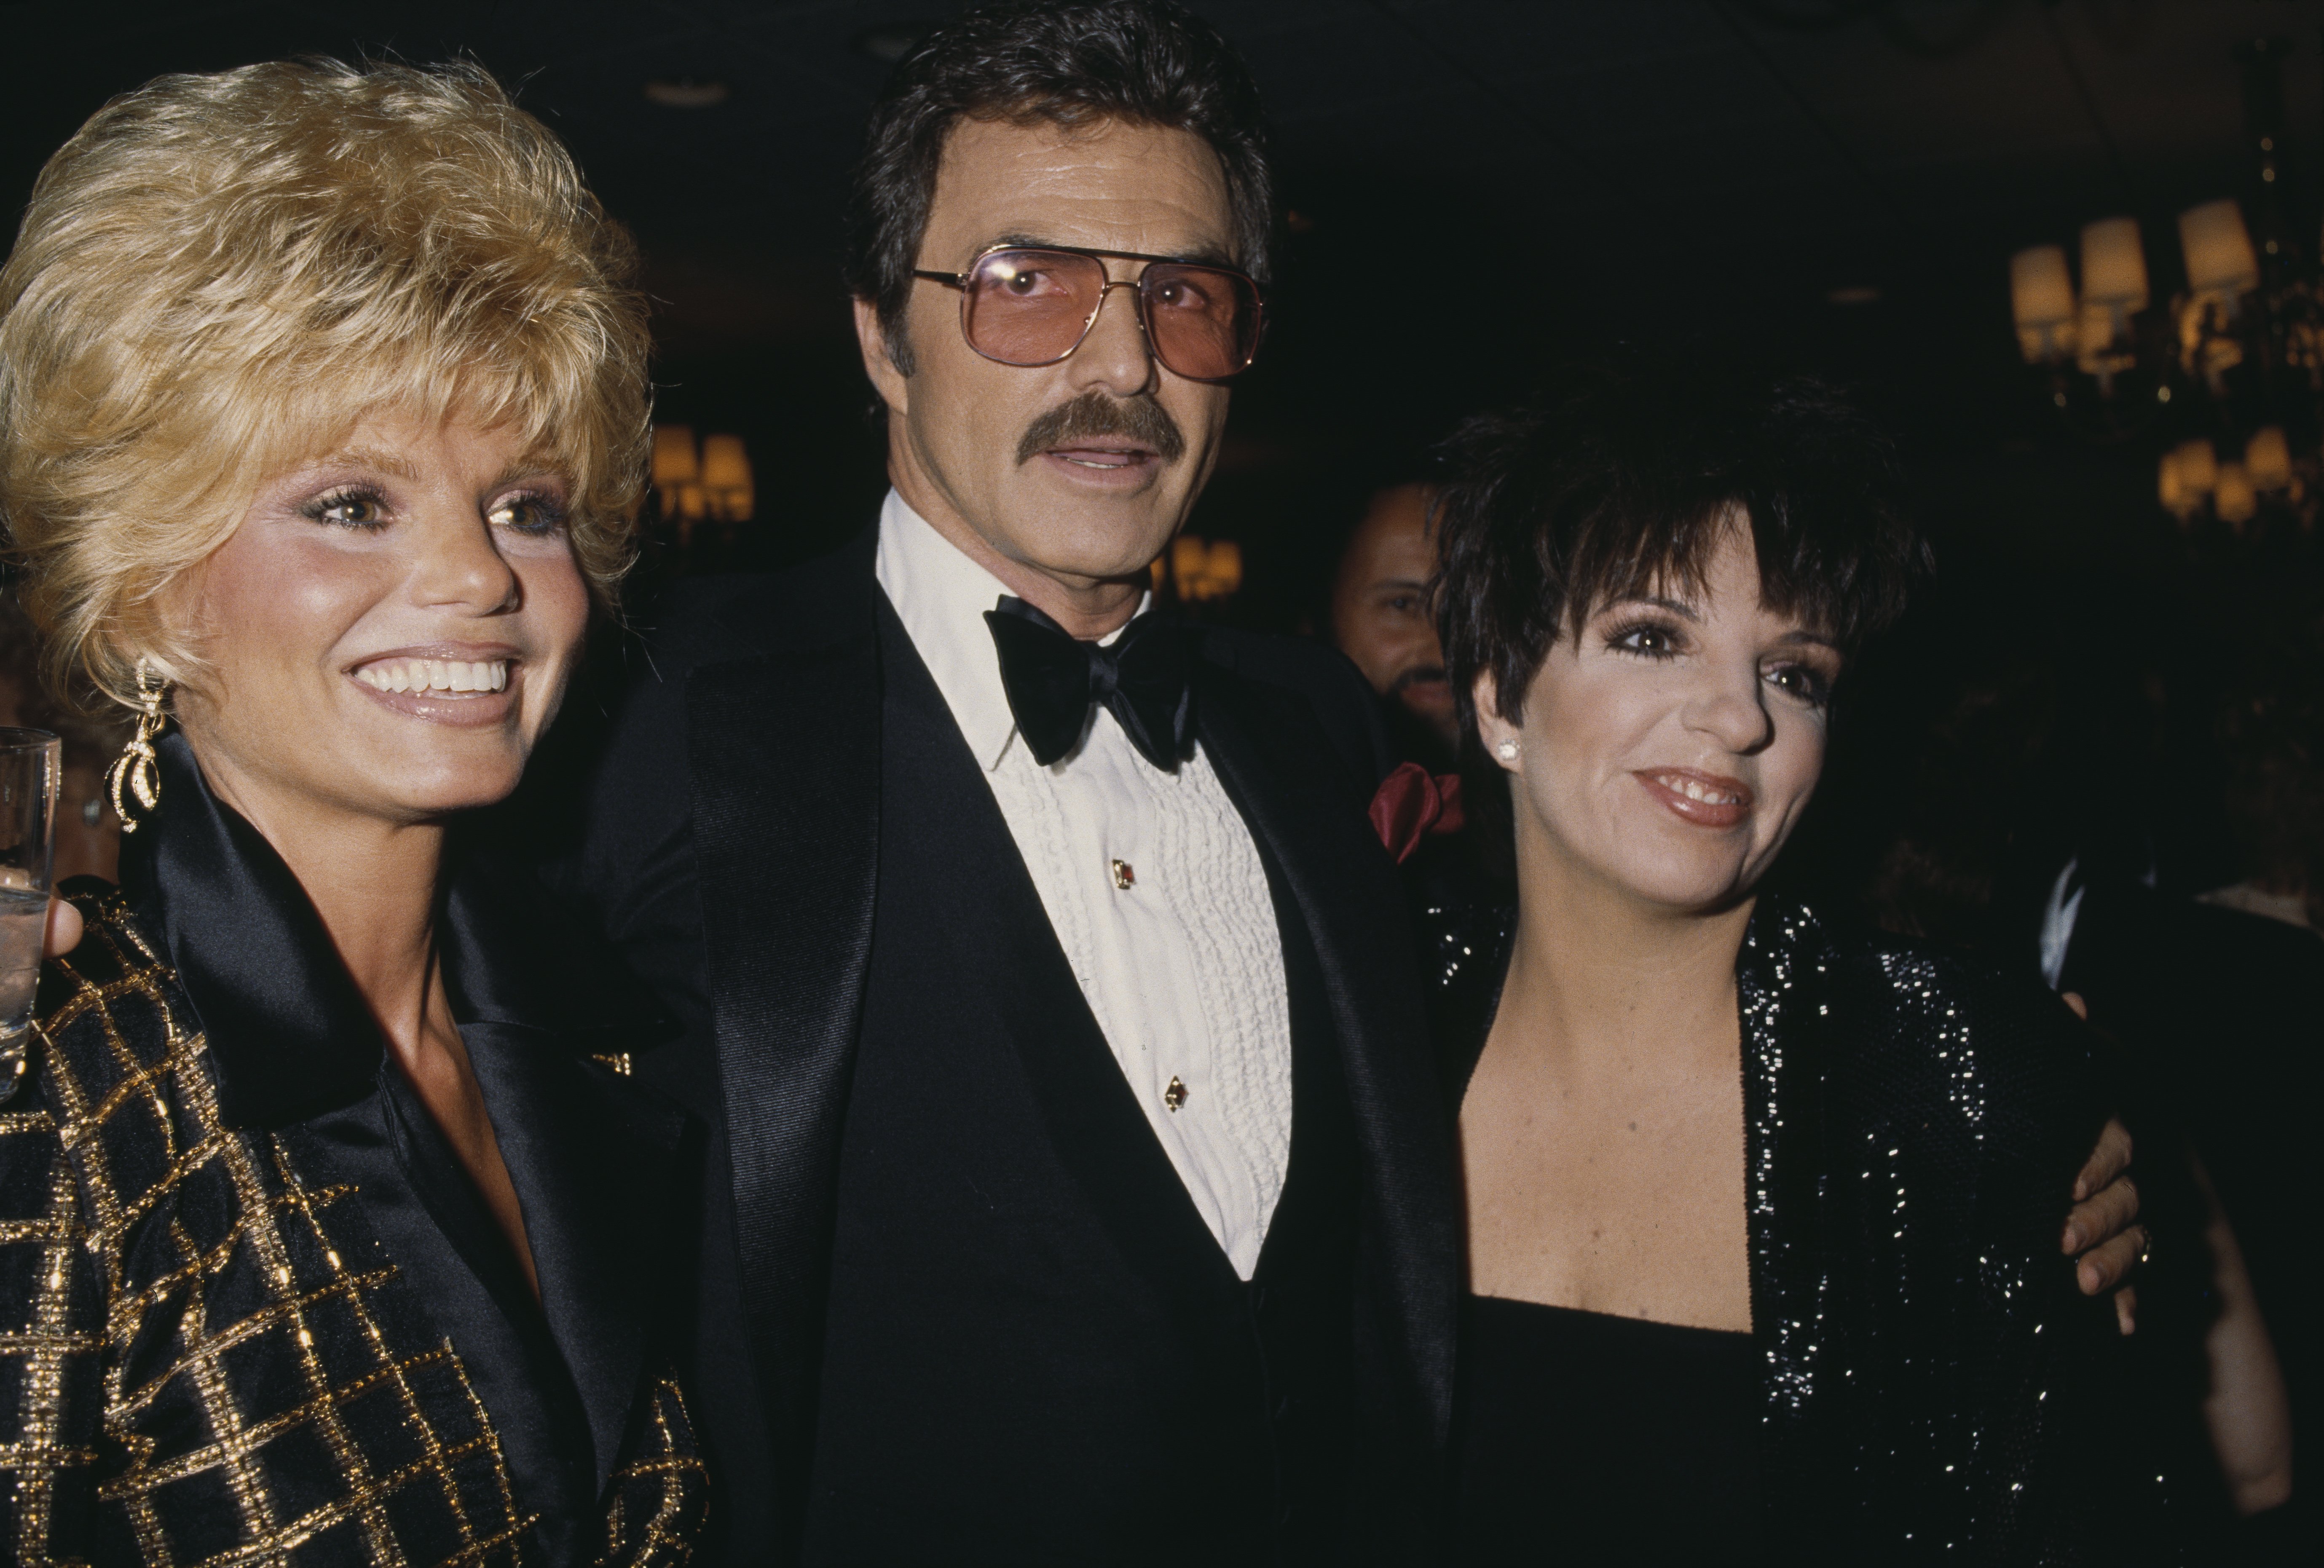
(1624, 483)
(1064, 62)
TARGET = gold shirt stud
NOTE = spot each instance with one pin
(1125, 876)
(1175, 1096)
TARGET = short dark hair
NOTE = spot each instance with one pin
(1626, 480)
(1065, 62)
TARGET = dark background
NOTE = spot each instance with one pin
(1477, 190)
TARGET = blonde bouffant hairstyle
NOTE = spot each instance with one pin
(219, 276)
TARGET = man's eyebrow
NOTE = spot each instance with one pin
(1412, 582)
(1204, 256)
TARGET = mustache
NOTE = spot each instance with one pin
(1410, 678)
(1093, 414)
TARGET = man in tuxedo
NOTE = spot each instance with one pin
(1084, 1192)
(1079, 1189)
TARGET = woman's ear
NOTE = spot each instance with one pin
(1502, 740)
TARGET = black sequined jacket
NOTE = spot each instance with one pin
(1936, 1387)
(209, 1350)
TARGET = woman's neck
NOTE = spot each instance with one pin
(1597, 973)
(374, 884)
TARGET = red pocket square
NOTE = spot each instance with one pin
(1413, 803)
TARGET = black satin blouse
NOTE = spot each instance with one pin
(594, 1155)
(1931, 1385)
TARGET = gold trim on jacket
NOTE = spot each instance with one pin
(216, 1361)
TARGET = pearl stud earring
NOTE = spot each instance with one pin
(1507, 751)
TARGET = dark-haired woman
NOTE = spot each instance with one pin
(1763, 1214)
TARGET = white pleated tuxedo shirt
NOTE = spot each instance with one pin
(1182, 965)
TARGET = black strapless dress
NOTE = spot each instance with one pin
(1585, 1438)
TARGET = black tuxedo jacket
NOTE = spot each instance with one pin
(776, 759)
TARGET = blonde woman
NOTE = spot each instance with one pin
(330, 1223)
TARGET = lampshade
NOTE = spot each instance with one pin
(2234, 498)
(1190, 563)
(675, 461)
(726, 477)
(2096, 332)
(2199, 465)
(1225, 568)
(2114, 265)
(2218, 248)
(2170, 489)
(725, 463)
(2042, 301)
(2267, 458)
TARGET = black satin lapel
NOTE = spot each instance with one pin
(288, 1033)
(785, 763)
(1275, 764)
(1094, 1120)
(594, 1156)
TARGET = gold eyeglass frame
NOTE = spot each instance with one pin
(960, 281)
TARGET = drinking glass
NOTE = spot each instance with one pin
(31, 764)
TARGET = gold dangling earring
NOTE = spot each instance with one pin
(137, 768)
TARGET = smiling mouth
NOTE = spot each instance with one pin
(436, 677)
(1695, 789)
(1103, 457)
(1710, 799)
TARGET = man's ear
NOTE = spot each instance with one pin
(893, 387)
(1494, 730)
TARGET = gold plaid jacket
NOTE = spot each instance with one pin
(207, 1357)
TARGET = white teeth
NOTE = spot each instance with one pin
(435, 675)
(1696, 790)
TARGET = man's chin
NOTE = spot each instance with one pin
(1091, 529)
(1430, 703)
(1430, 735)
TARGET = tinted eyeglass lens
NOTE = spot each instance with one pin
(1031, 308)
(1203, 321)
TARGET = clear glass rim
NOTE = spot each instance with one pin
(16, 737)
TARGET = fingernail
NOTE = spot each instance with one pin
(2088, 1274)
(2073, 1238)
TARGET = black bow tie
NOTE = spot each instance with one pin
(1052, 677)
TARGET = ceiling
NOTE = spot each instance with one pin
(1482, 185)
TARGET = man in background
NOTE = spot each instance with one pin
(1384, 619)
